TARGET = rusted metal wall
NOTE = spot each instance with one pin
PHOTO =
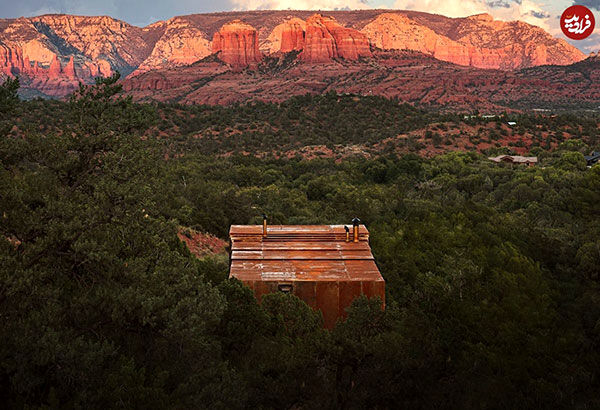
(330, 297)
(323, 268)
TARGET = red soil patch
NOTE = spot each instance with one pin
(201, 244)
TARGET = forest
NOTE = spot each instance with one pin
(492, 270)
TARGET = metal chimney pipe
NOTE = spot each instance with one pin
(347, 233)
(355, 223)
(264, 226)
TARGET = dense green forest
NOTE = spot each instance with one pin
(493, 299)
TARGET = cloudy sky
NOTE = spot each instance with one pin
(543, 13)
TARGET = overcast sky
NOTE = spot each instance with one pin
(543, 13)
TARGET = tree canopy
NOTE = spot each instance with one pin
(492, 293)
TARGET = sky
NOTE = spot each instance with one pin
(542, 13)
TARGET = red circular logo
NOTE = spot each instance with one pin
(577, 22)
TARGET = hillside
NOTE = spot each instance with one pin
(406, 75)
(114, 287)
(332, 126)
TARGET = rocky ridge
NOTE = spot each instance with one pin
(85, 47)
(181, 43)
(408, 76)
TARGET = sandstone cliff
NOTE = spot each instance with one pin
(116, 41)
(53, 53)
(326, 39)
(53, 50)
(287, 36)
(181, 43)
(237, 45)
(478, 41)
(409, 76)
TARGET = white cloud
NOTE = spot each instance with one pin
(299, 4)
(529, 11)
(590, 44)
(536, 12)
(446, 8)
(539, 13)
(43, 10)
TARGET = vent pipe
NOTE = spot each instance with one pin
(347, 233)
(264, 226)
(355, 223)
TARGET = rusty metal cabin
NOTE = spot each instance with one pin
(327, 266)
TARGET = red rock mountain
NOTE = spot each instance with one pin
(478, 41)
(325, 40)
(177, 42)
(409, 76)
(52, 53)
(236, 44)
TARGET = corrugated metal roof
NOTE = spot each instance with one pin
(301, 253)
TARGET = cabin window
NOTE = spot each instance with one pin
(285, 287)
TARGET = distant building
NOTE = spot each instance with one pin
(593, 158)
(512, 123)
(515, 159)
(327, 266)
(484, 116)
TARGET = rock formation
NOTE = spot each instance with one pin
(11, 59)
(407, 75)
(55, 69)
(34, 47)
(26, 66)
(237, 45)
(326, 39)
(478, 41)
(287, 36)
(319, 43)
(181, 44)
(395, 31)
(69, 69)
(95, 37)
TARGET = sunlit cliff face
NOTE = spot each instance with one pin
(53, 53)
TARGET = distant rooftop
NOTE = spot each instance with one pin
(593, 158)
(517, 159)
